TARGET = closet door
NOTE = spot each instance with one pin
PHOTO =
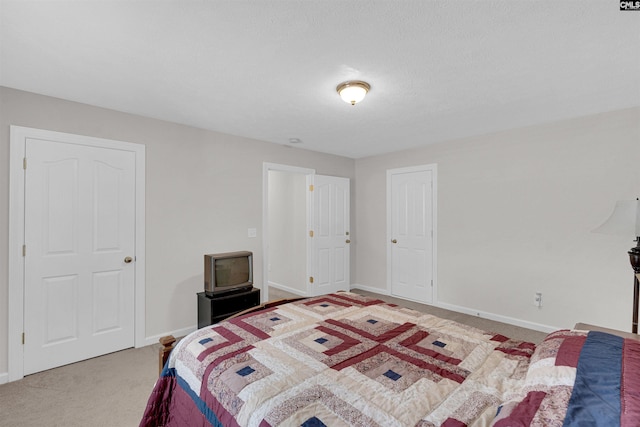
(80, 248)
(411, 239)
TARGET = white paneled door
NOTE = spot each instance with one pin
(411, 237)
(79, 252)
(329, 237)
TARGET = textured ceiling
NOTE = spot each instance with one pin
(268, 69)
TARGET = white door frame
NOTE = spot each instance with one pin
(16, 234)
(434, 195)
(266, 167)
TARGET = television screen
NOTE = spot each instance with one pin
(228, 272)
(232, 271)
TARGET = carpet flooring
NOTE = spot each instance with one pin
(112, 390)
(106, 391)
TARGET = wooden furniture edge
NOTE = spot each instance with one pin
(623, 334)
(167, 342)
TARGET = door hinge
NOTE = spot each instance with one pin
(24, 163)
(311, 279)
(432, 283)
(310, 233)
(24, 250)
(23, 338)
(311, 187)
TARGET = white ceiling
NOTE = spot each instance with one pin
(268, 69)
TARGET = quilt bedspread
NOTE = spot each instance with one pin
(578, 378)
(335, 360)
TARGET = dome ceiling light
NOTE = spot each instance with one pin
(353, 91)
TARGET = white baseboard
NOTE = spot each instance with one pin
(287, 289)
(369, 289)
(473, 312)
(177, 333)
(4, 377)
(498, 318)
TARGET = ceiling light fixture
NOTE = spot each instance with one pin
(353, 91)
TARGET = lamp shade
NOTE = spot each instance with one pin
(624, 220)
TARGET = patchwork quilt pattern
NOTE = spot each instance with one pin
(338, 360)
(578, 378)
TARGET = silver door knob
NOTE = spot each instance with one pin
(127, 260)
(394, 241)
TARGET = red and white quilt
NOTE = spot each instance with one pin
(348, 360)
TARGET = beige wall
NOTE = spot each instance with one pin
(203, 190)
(515, 210)
(515, 214)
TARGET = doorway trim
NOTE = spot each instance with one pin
(17, 146)
(433, 168)
(266, 167)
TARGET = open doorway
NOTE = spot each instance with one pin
(284, 230)
(306, 233)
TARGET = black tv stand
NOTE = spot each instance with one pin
(213, 309)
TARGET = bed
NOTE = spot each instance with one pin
(345, 359)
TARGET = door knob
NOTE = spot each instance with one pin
(347, 241)
(394, 241)
(127, 260)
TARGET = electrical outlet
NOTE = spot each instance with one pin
(537, 299)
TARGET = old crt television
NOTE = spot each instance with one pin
(228, 272)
